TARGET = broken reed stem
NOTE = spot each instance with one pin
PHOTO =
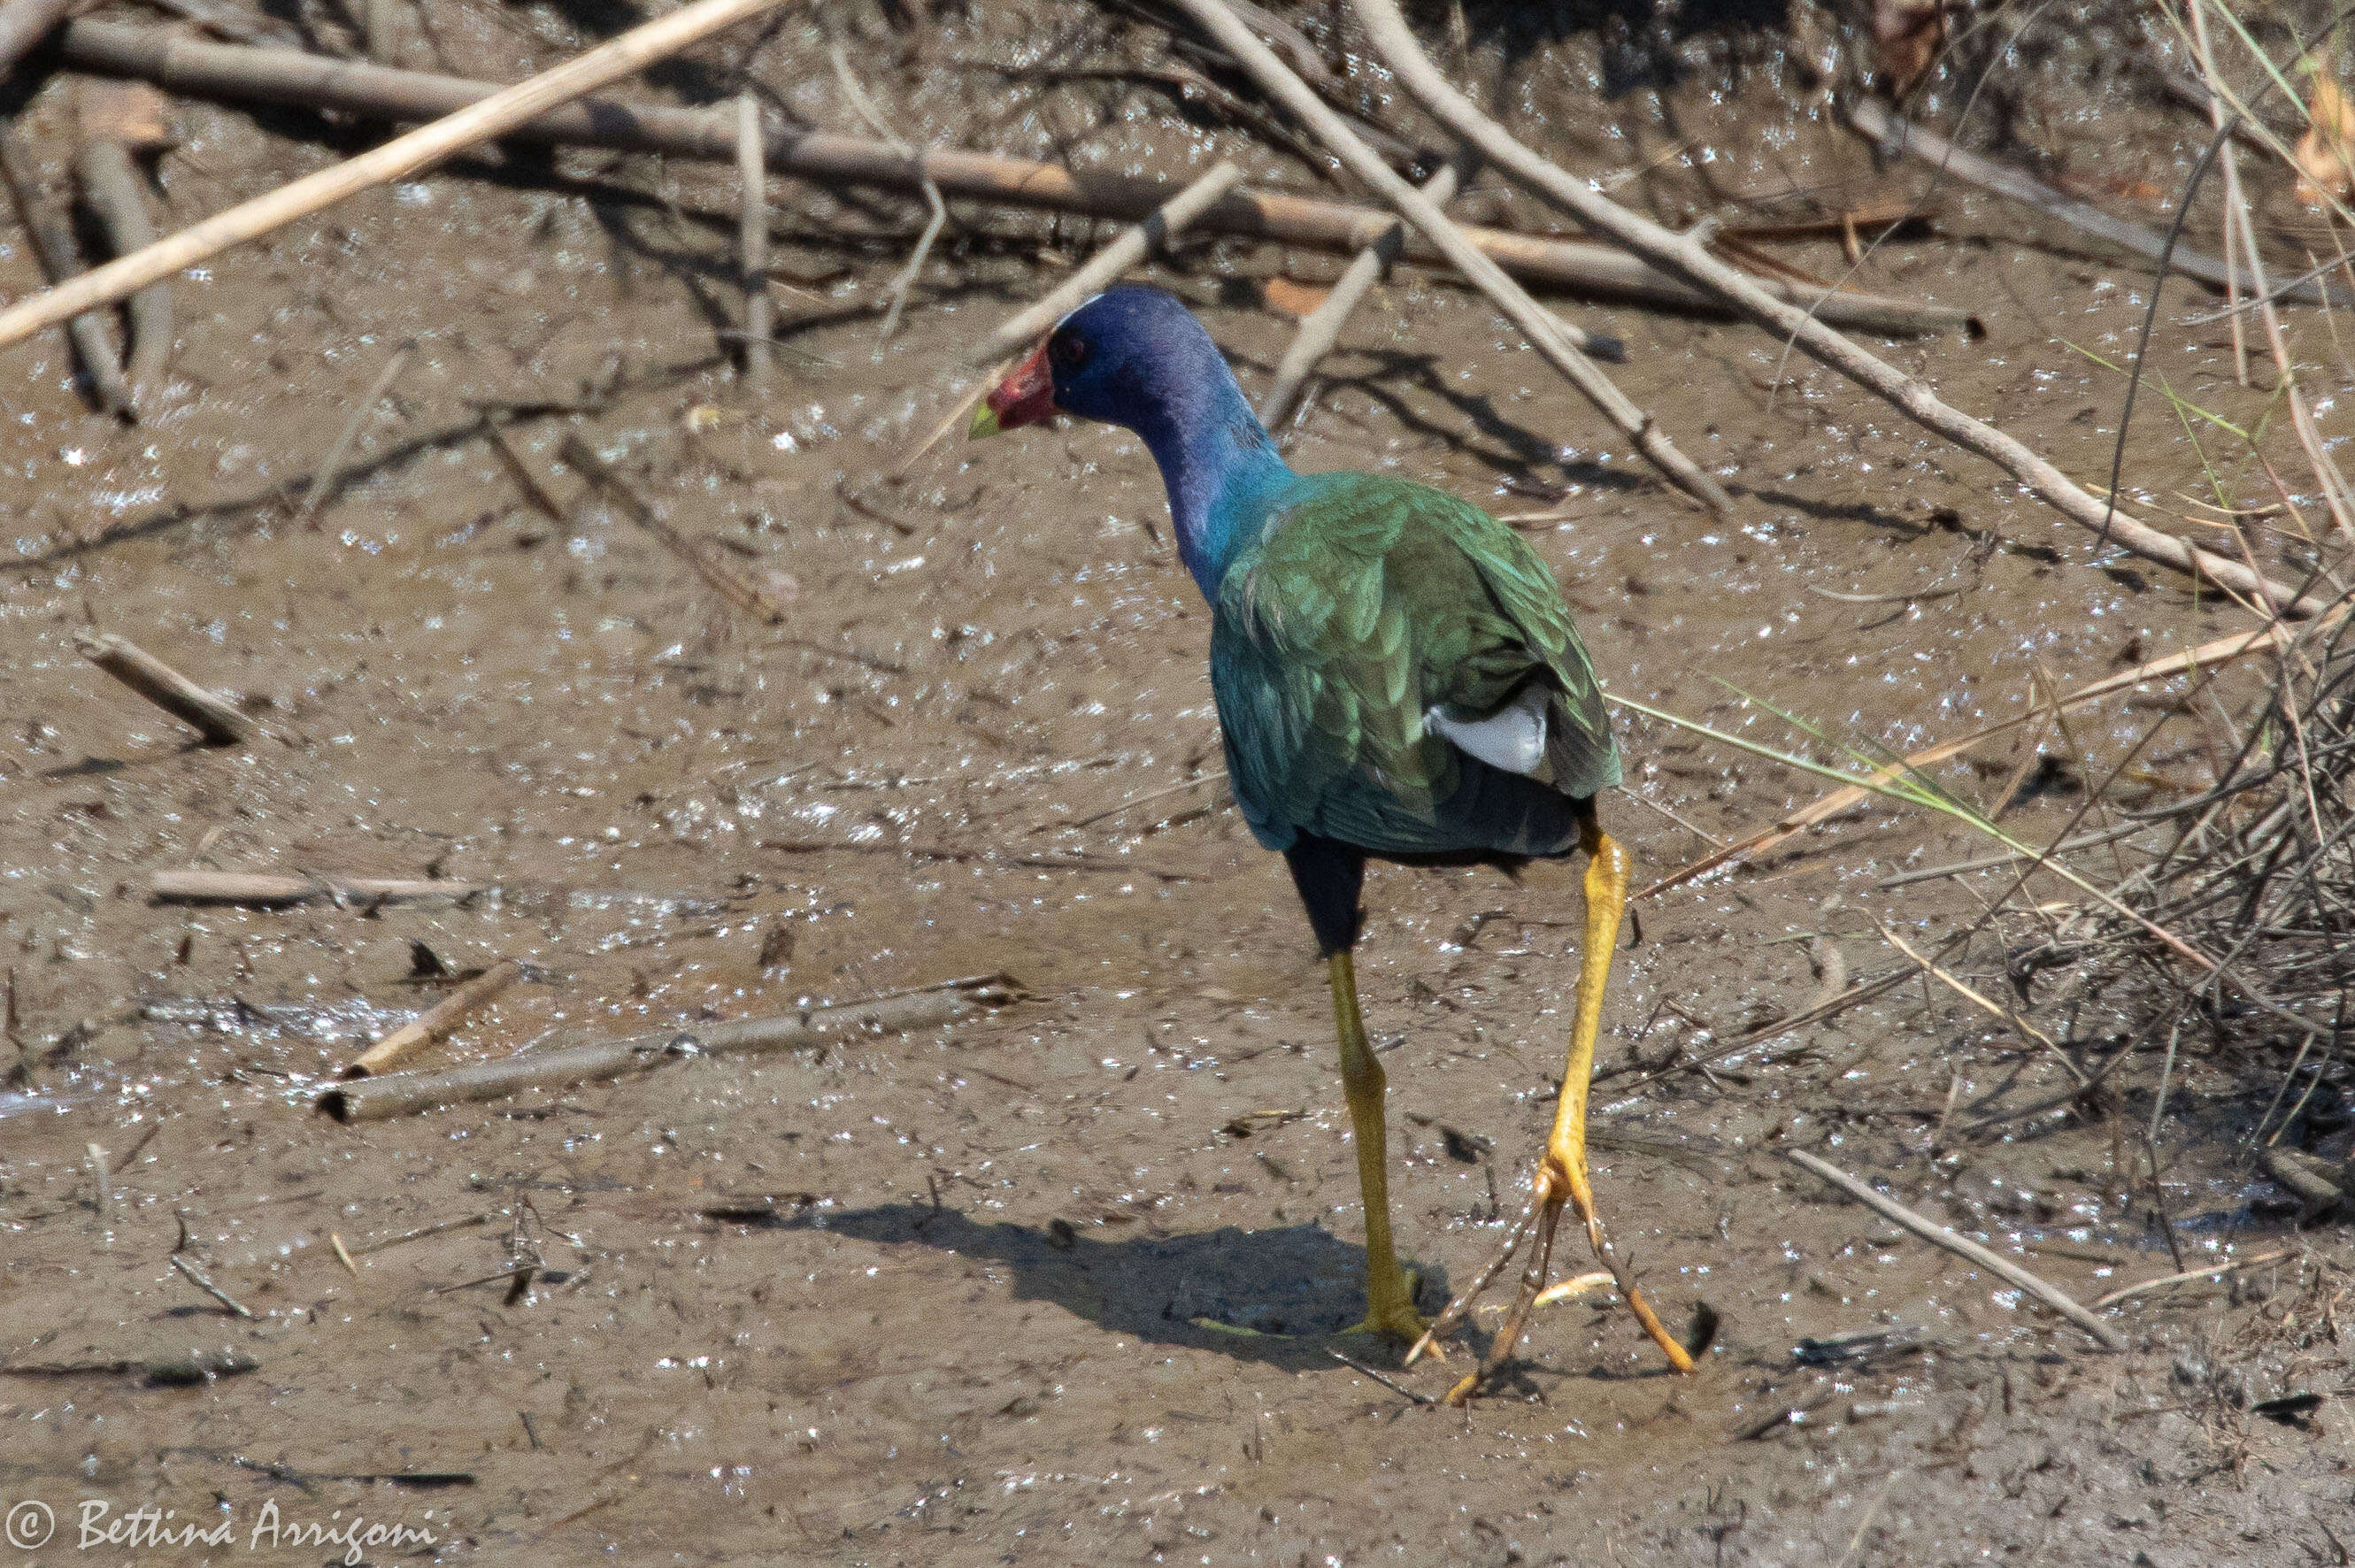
(1551, 337)
(1686, 256)
(330, 467)
(752, 239)
(373, 1099)
(1981, 1001)
(2215, 1271)
(437, 1022)
(240, 74)
(1321, 328)
(53, 248)
(895, 294)
(264, 889)
(1877, 125)
(1024, 327)
(1939, 1235)
(110, 187)
(24, 24)
(402, 156)
(101, 1182)
(211, 715)
(196, 1277)
(2225, 124)
(378, 25)
(745, 596)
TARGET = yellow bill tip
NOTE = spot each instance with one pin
(984, 422)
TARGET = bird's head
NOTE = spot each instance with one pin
(1118, 358)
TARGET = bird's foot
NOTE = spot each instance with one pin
(1393, 1312)
(1458, 1312)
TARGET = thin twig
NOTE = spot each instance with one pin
(1390, 1384)
(1547, 333)
(1939, 1235)
(1876, 122)
(1686, 256)
(211, 715)
(1321, 327)
(752, 242)
(897, 296)
(195, 1276)
(1979, 999)
(330, 467)
(111, 189)
(746, 595)
(2215, 1271)
(1019, 330)
(421, 149)
(437, 1022)
(53, 248)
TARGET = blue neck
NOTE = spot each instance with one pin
(1219, 468)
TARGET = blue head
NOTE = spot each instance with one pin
(1135, 356)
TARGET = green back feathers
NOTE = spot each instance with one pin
(1364, 603)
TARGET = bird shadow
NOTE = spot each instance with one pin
(1280, 1297)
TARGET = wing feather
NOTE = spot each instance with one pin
(1365, 603)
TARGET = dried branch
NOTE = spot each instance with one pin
(234, 74)
(212, 716)
(1687, 257)
(404, 156)
(1128, 248)
(1544, 331)
(1939, 1235)
(1321, 328)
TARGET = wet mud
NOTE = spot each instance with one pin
(1061, 1284)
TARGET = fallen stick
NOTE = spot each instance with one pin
(1113, 865)
(24, 24)
(752, 242)
(117, 119)
(1131, 246)
(198, 1277)
(214, 718)
(1939, 1235)
(1981, 1001)
(1546, 332)
(238, 74)
(746, 596)
(895, 292)
(378, 23)
(330, 467)
(436, 1022)
(2214, 1271)
(402, 156)
(53, 248)
(2221, 650)
(1877, 125)
(110, 187)
(2010, 857)
(1321, 327)
(400, 1094)
(1686, 256)
(265, 889)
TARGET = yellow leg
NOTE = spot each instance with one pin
(1564, 1169)
(1562, 1176)
(1390, 1296)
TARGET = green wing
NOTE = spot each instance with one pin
(1365, 603)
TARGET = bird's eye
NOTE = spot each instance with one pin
(1071, 352)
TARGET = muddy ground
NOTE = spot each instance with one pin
(1057, 1285)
